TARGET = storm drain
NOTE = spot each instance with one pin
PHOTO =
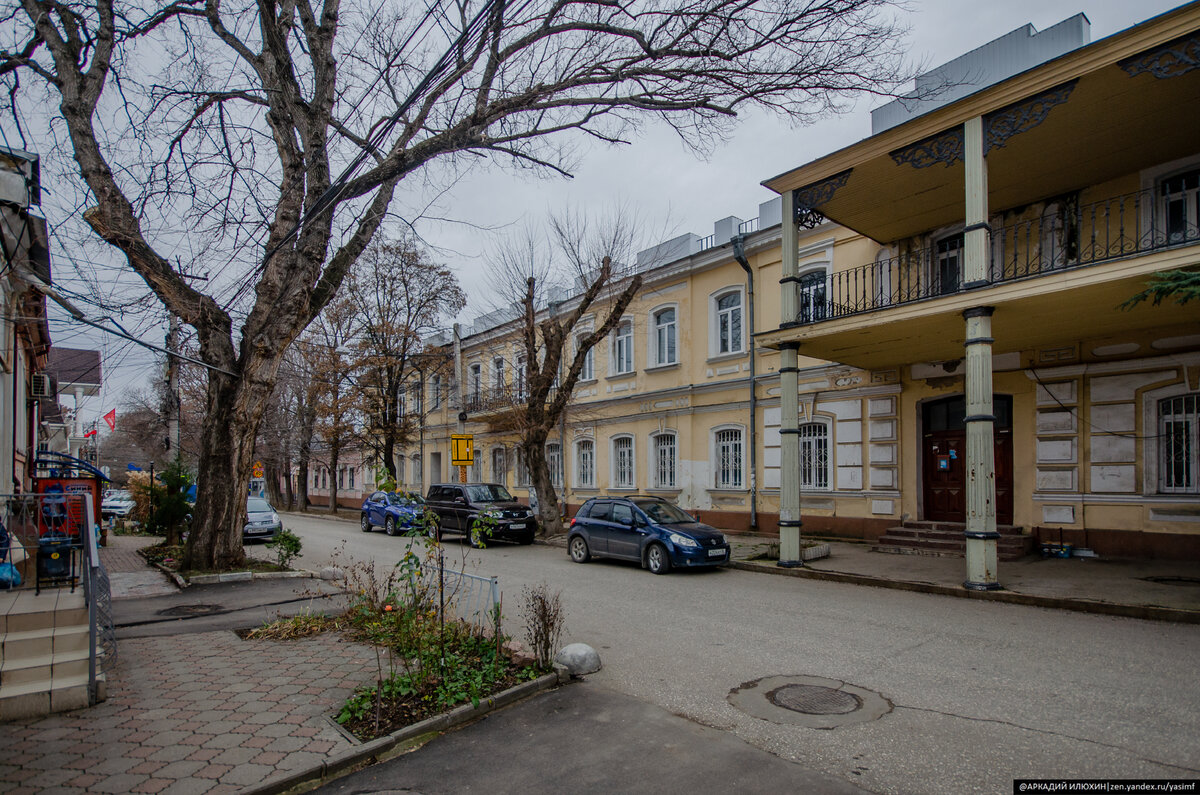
(185, 611)
(812, 701)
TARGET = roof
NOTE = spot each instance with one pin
(75, 366)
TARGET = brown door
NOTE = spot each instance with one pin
(944, 460)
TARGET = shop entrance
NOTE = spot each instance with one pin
(944, 459)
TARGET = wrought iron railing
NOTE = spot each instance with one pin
(496, 399)
(1048, 238)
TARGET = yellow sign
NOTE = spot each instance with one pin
(462, 449)
(257, 469)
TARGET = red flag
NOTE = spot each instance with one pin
(92, 432)
(111, 419)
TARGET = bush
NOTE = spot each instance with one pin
(286, 547)
(544, 621)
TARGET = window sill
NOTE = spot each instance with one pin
(622, 489)
(725, 357)
(661, 367)
(622, 376)
(585, 382)
(727, 491)
(675, 492)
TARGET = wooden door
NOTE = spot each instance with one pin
(944, 460)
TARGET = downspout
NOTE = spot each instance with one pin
(739, 254)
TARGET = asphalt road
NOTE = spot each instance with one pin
(982, 693)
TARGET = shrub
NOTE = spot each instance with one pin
(544, 621)
(286, 547)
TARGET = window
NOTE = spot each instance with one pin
(521, 377)
(435, 392)
(435, 467)
(729, 458)
(499, 465)
(812, 298)
(400, 468)
(316, 479)
(474, 381)
(664, 461)
(588, 371)
(1180, 207)
(498, 373)
(324, 478)
(522, 467)
(554, 464)
(1179, 444)
(416, 471)
(622, 348)
(350, 476)
(416, 398)
(664, 337)
(623, 474)
(814, 456)
(585, 463)
(948, 255)
(622, 514)
(728, 323)
(476, 473)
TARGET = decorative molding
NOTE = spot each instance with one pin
(810, 197)
(1172, 59)
(945, 147)
(1022, 116)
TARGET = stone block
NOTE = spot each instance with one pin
(882, 430)
(849, 431)
(1056, 480)
(579, 659)
(1113, 449)
(1114, 479)
(1056, 451)
(1115, 417)
(1055, 422)
(1058, 514)
(883, 507)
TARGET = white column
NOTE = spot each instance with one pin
(980, 532)
(789, 384)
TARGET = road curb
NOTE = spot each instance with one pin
(383, 748)
(1149, 612)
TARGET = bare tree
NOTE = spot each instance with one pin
(401, 297)
(333, 373)
(230, 122)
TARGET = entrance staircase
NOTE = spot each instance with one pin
(44, 649)
(945, 539)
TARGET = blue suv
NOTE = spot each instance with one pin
(649, 530)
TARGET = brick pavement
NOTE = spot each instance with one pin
(202, 713)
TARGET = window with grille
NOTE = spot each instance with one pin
(664, 461)
(522, 467)
(622, 359)
(476, 469)
(416, 470)
(350, 476)
(585, 463)
(729, 323)
(1180, 203)
(729, 459)
(435, 392)
(814, 456)
(499, 466)
(1179, 444)
(554, 464)
(623, 477)
(664, 337)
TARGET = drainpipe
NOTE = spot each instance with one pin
(739, 253)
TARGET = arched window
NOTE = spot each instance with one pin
(554, 464)
(664, 338)
(622, 348)
(499, 465)
(814, 455)
(416, 471)
(728, 458)
(623, 472)
(1179, 444)
(812, 296)
(665, 456)
(727, 336)
(585, 463)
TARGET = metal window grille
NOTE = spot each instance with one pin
(623, 462)
(729, 459)
(814, 456)
(554, 464)
(664, 328)
(499, 468)
(664, 461)
(522, 468)
(1179, 444)
(416, 470)
(585, 463)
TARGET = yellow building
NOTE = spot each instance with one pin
(1017, 215)
(1012, 222)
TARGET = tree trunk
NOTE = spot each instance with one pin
(235, 407)
(287, 482)
(389, 453)
(334, 452)
(271, 475)
(307, 420)
(534, 447)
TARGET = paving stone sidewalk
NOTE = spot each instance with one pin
(128, 573)
(191, 714)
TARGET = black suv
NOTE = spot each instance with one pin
(459, 504)
(649, 530)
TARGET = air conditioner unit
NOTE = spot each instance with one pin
(40, 386)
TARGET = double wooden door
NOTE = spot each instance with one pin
(944, 459)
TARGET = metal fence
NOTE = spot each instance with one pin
(467, 597)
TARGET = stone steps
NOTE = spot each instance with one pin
(945, 539)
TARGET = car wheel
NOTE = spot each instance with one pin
(579, 550)
(474, 539)
(366, 523)
(527, 539)
(657, 559)
(434, 530)
(389, 525)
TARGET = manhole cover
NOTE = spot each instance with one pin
(814, 700)
(191, 610)
(1174, 580)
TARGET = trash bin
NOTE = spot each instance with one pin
(55, 561)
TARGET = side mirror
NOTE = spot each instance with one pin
(460, 500)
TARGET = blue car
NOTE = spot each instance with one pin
(395, 511)
(649, 530)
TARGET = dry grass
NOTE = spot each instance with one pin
(304, 625)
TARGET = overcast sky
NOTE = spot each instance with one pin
(670, 186)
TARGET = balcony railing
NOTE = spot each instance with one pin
(1057, 236)
(484, 401)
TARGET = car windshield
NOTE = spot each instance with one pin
(405, 499)
(119, 496)
(488, 492)
(256, 505)
(664, 512)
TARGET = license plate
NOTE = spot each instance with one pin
(517, 526)
(716, 553)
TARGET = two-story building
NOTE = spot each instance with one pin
(1011, 224)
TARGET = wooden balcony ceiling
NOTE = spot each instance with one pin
(1110, 124)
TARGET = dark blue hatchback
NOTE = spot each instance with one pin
(649, 530)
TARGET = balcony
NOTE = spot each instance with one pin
(499, 399)
(1063, 236)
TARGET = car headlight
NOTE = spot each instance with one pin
(274, 517)
(492, 514)
(682, 541)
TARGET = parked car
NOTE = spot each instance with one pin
(117, 504)
(262, 522)
(650, 530)
(395, 511)
(458, 505)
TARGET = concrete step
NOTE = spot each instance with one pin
(34, 700)
(45, 668)
(25, 611)
(922, 524)
(40, 642)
